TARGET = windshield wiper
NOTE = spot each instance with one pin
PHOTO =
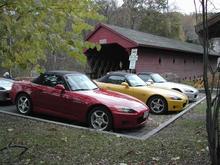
(81, 89)
(139, 85)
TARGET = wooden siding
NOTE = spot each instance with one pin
(185, 65)
(104, 34)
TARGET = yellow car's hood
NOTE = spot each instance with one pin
(164, 92)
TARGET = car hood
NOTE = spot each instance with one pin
(6, 84)
(114, 99)
(163, 92)
(171, 85)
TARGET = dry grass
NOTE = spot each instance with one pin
(183, 142)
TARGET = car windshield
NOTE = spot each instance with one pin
(135, 81)
(157, 78)
(80, 82)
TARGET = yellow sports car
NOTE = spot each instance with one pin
(158, 100)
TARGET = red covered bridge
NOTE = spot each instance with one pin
(155, 53)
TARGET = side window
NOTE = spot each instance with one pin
(144, 77)
(115, 79)
(52, 80)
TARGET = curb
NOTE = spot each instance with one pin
(168, 122)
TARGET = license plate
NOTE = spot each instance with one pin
(145, 114)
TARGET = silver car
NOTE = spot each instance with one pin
(158, 81)
(5, 87)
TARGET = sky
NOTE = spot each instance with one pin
(187, 6)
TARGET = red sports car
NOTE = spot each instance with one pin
(73, 96)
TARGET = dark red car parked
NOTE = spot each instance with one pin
(73, 96)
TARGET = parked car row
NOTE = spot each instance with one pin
(157, 80)
(159, 100)
(117, 100)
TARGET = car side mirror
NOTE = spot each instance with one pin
(125, 84)
(60, 87)
(149, 82)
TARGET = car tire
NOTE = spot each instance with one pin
(100, 118)
(24, 104)
(157, 104)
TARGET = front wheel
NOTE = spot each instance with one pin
(157, 104)
(100, 119)
(23, 104)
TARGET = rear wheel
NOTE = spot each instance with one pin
(100, 119)
(157, 104)
(23, 104)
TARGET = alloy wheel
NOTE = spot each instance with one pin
(99, 120)
(23, 104)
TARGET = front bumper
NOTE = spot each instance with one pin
(192, 96)
(4, 95)
(177, 105)
(123, 120)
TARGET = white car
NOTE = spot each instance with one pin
(5, 87)
(158, 81)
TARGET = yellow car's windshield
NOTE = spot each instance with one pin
(135, 81)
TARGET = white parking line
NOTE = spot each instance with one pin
(144, 137)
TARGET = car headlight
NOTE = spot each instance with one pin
(126, 109)
(175, 98)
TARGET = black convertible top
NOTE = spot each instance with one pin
(62, 72)
(121, 73)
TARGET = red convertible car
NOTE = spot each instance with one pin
(73, 96)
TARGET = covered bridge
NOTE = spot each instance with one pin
(155, 53)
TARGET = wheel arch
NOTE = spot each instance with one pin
(19, 93)
(156, 95)
(98, 105)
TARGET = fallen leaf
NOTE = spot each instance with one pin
(123, 164)
(202, 150)
(64, 139)
(207, 148)
(155, 158)
(175, 158)
(58, 157)
(10, 129)
(118, 136)
(27, 161)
